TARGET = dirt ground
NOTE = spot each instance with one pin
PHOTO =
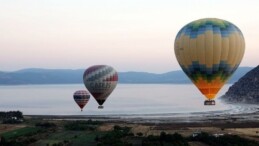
(9, 127)
(156, 129)
(197, 144)
(246, 131)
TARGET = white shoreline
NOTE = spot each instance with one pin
(237, 113)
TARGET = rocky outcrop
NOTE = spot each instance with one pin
(245, 90)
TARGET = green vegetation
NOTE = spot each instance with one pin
(71, 138)
(19, 137)
(11, 117)
(82, 125)
(76, 133)
(116, 137)
(165, 140)
(10, 114)
(71, 133)
(26, 131)
(226, 140)
(122, 136)
(45, 125)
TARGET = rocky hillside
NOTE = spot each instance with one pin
(245, 90)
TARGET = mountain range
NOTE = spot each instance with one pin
(69, 76)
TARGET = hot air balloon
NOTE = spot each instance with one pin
(81, 97)
(100, 80)
(209, 51)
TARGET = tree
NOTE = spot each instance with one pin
(140, 134)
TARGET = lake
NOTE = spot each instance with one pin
(126, 99)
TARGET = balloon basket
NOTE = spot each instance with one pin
(100, 107)
(209, 102)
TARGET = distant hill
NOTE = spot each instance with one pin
(245, 90)
(42, 76)
(143, 77)
(69, 76)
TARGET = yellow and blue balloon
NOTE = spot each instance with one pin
(209, 51)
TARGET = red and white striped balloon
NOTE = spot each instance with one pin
(100, 80)
(81, 97)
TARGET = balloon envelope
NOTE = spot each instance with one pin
(81, 97)
(100, 80)
(209, 51)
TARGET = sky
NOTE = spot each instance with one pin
(130, 35)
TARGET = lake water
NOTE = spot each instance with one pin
(126, 99)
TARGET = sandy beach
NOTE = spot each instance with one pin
(242, 113)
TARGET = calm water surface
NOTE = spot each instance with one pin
(126, 99)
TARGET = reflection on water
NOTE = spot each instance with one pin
(126, 99)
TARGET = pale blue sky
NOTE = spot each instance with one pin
(130, 35)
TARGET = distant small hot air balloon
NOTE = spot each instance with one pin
(81, 97)
(100, 80)
(209, 51)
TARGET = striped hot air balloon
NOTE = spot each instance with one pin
(209, 51)
(100, 80)
(81, 97)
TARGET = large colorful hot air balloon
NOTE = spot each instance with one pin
(100, 80)
(209, 51)
(81, 97)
